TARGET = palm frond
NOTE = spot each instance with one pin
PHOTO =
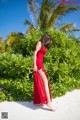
(32, 4)
(70, 27)
(28, 23)
(76, 30)
(49, 13)
(59, 11)
(45, 12)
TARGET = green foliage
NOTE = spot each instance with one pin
(27, 44)
(13, 38)
(2, 45)
(15, 66)
(17, 90)
(48, 13)
(62, 64)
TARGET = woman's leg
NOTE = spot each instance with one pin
(45, 81)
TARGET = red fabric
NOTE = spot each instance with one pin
(39, 91)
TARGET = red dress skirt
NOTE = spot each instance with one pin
(39, 90)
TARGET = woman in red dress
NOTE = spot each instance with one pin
(42, 94)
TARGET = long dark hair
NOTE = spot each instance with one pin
(45, 40)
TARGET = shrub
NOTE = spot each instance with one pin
(15, 66)
(17, 90)
(62, 64)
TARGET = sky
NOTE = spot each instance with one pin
(14, 12)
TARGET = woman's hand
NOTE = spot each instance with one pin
(35, 68)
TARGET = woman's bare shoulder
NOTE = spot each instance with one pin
(38, 44)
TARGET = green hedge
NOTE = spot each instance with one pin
(62, 64)
(18, 89)
(15, 66)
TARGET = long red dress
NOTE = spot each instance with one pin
(39, 90)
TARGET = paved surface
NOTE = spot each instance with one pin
(67, 108)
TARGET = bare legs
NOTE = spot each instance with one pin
(45, 81)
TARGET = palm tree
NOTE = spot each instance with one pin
(1, 40)
(70, 27)
(2, 45)
(49, 13)
(14, 38)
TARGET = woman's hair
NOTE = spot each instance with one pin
(45, 40)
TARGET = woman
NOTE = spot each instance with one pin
(42, 93)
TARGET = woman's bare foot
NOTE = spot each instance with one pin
(51, 107)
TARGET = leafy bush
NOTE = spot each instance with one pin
(62, 64)
(15, 66)
(63, 67)
(17, 90)
(27, 44)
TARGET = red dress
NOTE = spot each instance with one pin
(39, 91)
